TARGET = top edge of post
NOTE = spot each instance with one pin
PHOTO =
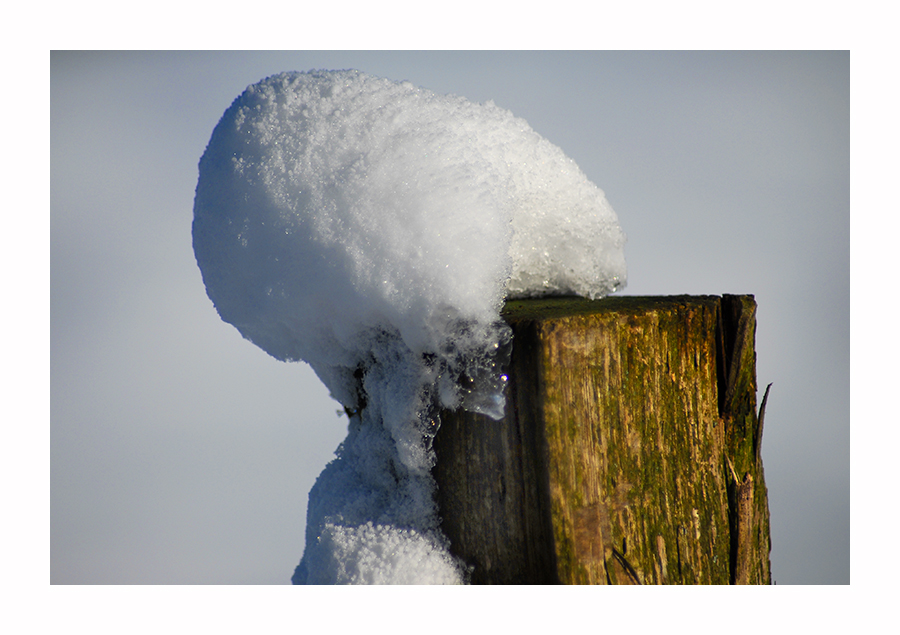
(565, 306)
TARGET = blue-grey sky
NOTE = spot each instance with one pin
(181, 453)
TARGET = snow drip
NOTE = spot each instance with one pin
(374, 229)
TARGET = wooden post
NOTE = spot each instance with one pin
(629, 453)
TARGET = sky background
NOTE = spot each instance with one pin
(181, 453)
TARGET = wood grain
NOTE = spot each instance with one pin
(614, 461)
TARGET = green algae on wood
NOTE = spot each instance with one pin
(628, 450)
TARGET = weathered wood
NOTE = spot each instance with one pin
(628, 453)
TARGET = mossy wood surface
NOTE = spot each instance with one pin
(629, 453)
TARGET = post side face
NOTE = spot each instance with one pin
(480, 496)
(492, 488)
(635, 445)
(743, 435)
